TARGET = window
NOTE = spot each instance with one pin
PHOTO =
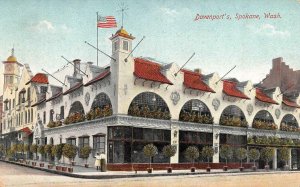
(116, 45)
(99, 143)
(125, 45)
(51, 115)
(14, 104)
(25, 116)
(44, 89)
(31, 115)
(62, 112)
(84, 141)
(28, 119)
(71, 141)
(44, 117)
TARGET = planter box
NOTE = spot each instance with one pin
(225, 168)
(28, 162)
(241, 169)
(149, 170)
(70, 170)
(58, 168)
(86, 165)
(193, 169)
(267, 167)
(169, 169)
(254, 168)
(33, 163)
(73, 163)
(50, 166)
(208, 169)
(42, 165)
(64, 168)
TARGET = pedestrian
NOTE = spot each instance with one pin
(97, 161)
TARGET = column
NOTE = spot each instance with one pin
(216, 140)
(175, 142)
(290, 158)
(275, 159)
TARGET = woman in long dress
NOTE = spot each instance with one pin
(97, 161)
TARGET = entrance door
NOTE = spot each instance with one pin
(111, 152)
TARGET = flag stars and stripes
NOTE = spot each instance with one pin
(106, 22)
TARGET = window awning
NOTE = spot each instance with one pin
(290, 103)
(229, 88)
(261, 96)
(193, 80)
(147, 70)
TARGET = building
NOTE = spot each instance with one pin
(133, 101)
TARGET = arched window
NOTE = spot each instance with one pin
(28, 119)
(149, 105)
(51, 141)
(195, 111)
(31, 115)
(264, 120)
(233, 116)
(289, 123)
(101, 107)
(76, 107)
(25, 116)
(76, 113)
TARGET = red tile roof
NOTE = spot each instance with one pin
(148, 70)
(261, 96)
(193, 80)
(290, 103)
(229, 88)
(39, 102)
(54, 96)
(26, 130)
(99, 77)
(72, 89)
(39, 78)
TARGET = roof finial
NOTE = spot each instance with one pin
(123, 8)
(13, 50)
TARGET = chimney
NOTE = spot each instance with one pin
(197, 70)
(76, 63)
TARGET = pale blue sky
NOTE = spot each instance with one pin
(42, 31)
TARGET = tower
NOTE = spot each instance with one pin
(11, 71)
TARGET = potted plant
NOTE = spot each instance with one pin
(254, 155)
(70, 152)
(207, 152)
(169, 151)
(48, 152)
(20, 149)
(41, 151)
(150, 151)
(85, 153)
(241, 154)
(33, 150)
(26, 151)
(226, 152)
(9, 153)
(267, 154)
(283, 154)
(56, 152)
(1, 150)
(192, 153)
(14, 149)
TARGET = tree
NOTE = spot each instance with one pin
(283, 154)
(48, 150)
(20, 148)
(267, 154)
(192, 153)
(26, 149)
(41, 150)
(57, 151)
(69, 151)
(85, 153)
(241, 154)
(169, 151)
(207, 152)
(226, 152)
(253, 155)
(33, 148)
(150, 151)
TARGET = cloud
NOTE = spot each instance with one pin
(269, 30)
(46, 26)
(169, 12)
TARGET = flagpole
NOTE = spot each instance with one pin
(97, 39)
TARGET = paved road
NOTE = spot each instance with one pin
(12, 175)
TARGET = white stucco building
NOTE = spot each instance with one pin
(134, 101)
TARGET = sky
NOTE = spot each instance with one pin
(42, 31)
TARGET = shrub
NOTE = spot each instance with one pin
(253, 155)
(267, 154)
(48, 150)
(85, 153)
(169, 151)
(33, 148)
(56, 151)
(226, 152)
(69, 151)
(192, 153)
(283, 154)
(150, 150)
(207, 152)
(241, 154)
(41, 149)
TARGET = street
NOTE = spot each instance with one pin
(12, 175)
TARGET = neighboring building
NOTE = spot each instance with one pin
(1, 113)
(284, 77)
(132, 102)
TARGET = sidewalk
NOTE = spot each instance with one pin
(92, 173)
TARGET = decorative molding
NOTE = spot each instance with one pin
(277, 113)
(216, 103)
(250, 109)
(175, 97)
(87, 98)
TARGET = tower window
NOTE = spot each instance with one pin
(116, 45)
(125, 45)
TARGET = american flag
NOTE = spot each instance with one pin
(106, 22)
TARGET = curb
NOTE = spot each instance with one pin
(233, 173)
